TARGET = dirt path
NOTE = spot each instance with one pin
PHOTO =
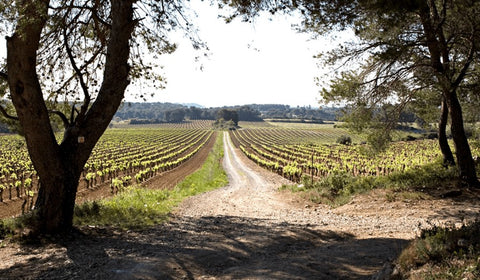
(246, 230)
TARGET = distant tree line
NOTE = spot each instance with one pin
(170, 112)
(149, 113)
(276, 111)
(229, 115)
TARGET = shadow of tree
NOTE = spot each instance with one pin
(458, 204)
(216, 247)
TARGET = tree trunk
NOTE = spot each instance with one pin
(440, 62)
(59, 166)
(442, 136)
(55, 203)
(466, 165)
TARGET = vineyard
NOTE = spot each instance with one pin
(123, 156)
(294, 153)
(128, 155)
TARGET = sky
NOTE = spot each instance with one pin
(263, 62)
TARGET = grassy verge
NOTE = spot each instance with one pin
(137, 207)
(442, 253)
(339, 188)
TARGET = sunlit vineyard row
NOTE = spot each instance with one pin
(191, 124)
(292, 154)
(311, 133)
(123, 156)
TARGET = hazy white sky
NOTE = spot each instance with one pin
(261, 62)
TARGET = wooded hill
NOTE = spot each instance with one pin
(139, 112)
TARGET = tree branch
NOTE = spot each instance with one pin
(72, 113)
(6, 115)
(93, 9)
(83, 85)
(96, 20)
(3, 75)
(62, 116)
(83, 67)
(463, 71)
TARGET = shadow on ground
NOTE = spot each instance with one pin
(220, 247)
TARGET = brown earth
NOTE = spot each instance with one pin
(246, 230)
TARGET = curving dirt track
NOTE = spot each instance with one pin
(246, 230)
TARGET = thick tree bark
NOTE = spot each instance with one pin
(466, 165)
(440, 62)
(447, 154)
(56, 199)
(27, 97)
(59, 166)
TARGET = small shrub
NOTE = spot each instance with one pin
(336, 183)
(222, 124)
(409, 138)
(5, 229)
(344, 140)
(335, 189)
(87, 209)
(452, 250)
(431, 136)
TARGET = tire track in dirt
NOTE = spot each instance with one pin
(248, 194)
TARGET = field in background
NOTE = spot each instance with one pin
(189, 124)
(327, 133)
